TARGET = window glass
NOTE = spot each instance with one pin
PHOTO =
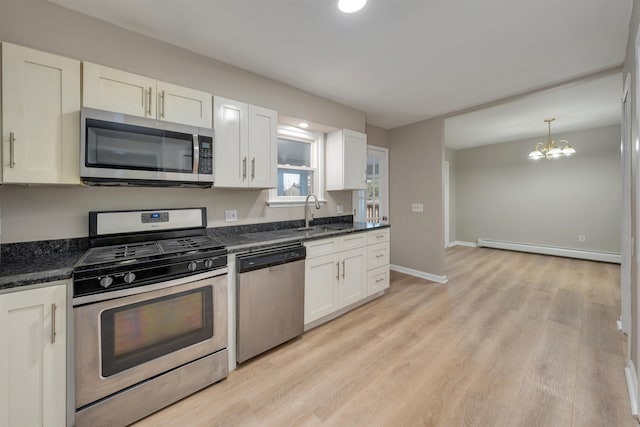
(299, 165)
(293, 153)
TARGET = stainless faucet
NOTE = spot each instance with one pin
(307, 210)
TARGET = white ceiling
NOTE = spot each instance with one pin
(399, 61)
(585, 104)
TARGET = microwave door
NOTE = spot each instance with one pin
(125, 151)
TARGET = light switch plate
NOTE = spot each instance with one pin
(340, 209)
(231, 215)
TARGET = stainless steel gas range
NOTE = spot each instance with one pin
(150, 313)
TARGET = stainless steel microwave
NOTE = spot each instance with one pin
(118, 149)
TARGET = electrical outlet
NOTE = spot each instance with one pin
(582, 238)
(231, 216)
(417, 207)
(340, 209)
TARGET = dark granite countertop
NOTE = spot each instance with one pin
(253, 240)
(32, 263)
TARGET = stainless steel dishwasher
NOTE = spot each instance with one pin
(270, 295)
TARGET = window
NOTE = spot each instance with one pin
(299, 166)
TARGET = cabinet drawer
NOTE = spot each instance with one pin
(322, 247)
(377, 280)
(354, 240)
(378, 255)
(378, 236)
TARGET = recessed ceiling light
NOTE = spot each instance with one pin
(350, 6)
(304, 125)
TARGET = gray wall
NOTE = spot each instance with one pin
(415, 166)
(630, 67)
(501, 195)
(34, 213)
(377, 136)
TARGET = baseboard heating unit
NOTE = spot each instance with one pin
(549, 250)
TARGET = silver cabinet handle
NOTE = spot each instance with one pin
(343, 269)
(379, 255)
(338, 267)
(253, 168)
(12, 142)
(244, 168)
(149, 103)
(162, 104)
(379, 280)
(53, 323)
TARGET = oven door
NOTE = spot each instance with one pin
(123, 341)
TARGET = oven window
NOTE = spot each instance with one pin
(121, 146)
(136, 333)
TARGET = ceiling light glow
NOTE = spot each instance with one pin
(350, 6)
(304, 125)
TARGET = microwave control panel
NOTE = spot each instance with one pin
(205, 164)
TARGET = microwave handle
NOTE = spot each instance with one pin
(196, 154)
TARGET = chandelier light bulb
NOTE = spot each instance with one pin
(351, 6)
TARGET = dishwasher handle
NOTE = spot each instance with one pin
(266, 259)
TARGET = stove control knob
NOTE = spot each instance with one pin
(106, 281)
(208, 263)
(192, 266)
(129, 277)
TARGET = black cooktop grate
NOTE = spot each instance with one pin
(186, 243)
(121, 252)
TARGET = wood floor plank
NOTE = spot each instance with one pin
(513, 339)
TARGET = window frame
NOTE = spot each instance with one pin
(316, 140)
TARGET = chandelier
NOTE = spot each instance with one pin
(551, 150)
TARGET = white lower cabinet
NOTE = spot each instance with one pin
(337, 273)
(33, 356)
(377, 260)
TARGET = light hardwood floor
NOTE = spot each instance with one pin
(513, 339)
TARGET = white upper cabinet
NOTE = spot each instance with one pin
(346, 153)
(109, 89)
(245, 146)
(346, 160)
(40, 117)
(263, 147)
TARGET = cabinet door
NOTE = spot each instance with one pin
(346, 160)
(109, 89)
(32, 359)
(263, 147)
(355, 160)
(353, 276)
(231, 143)
(183, 105)
(41, 117)
(320, 285)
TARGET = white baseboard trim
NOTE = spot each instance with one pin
(549, 250)
(421, 274)
(632, 386)
(461, 243)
